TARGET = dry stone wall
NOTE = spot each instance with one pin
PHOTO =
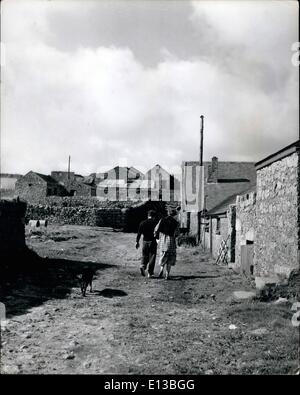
(79, 211)
(276, 245)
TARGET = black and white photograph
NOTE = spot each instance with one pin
(149, 190)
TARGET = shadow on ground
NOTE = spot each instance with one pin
(180, 278)
(27, 280)
(110, 293)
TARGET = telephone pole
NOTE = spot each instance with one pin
(200, 176)
(69, 166)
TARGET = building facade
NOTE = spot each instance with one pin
(222, 181)
(129, 184)
(34, 186)
(276, 247)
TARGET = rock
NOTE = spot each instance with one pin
(232, 327)
(295, 306)
(296, 319)
(10, 369)
(73, 343)
(87, 365)
(259, 331)
(244, 295)
(23, 347)
(262, 282)
(69, 356)
(281, 301)
(209, 371)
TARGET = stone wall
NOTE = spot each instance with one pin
(276, 245)
(245, 223)
(79, 211)
(112, 194)
(12, 227)
(31, 188)
(93, 212)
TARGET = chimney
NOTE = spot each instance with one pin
(213, 170)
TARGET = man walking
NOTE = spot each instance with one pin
(146, 229)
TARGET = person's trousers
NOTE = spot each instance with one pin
(149, 255)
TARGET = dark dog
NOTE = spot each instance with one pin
(86, 280)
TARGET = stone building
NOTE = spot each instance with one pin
(128, 174)
(75, 184)
(276, 245)
(130, 184)
(242, 220)
(165, 186)
(113, 185)
(34, 186)
(222, 181)
(261, 225)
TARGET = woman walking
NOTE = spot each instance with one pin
(167, 230)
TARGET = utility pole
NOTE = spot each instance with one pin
(200, 175)
(69, 165)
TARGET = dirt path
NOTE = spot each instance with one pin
(135, 325)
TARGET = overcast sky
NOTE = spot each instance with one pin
(125, 82)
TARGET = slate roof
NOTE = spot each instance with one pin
(224, 205)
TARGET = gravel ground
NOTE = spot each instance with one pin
(130, 324)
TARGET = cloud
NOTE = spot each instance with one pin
(102, 103)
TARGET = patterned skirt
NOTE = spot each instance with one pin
(167, 250)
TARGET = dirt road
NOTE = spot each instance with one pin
(135, 325)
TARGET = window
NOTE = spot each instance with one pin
(105, 176)
(30, 185)
(138, 191)
(105, 190)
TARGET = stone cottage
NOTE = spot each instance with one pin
(263, 223)
(277, 241)
(35, 186)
